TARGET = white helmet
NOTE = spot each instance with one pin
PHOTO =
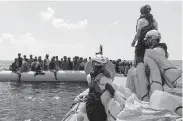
(99, 60)
(154, 34)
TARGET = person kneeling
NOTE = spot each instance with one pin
(100, 92)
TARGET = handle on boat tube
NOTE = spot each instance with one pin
(39, 73)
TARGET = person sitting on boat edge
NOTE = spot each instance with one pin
(52, 64)
(161, 72)
(146, 82)
(100, 89)
(14, 66)
(145, 23)
(33, 65)
(39, 67)
(25, 66)
(158, 52)
(39, 64)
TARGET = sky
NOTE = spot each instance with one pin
(66, 28)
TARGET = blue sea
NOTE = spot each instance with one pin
(38, 101)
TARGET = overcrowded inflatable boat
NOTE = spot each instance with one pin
(48, 75)
(43, 76)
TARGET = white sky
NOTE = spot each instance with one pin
(77, 28)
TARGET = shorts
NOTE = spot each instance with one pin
(139, 54)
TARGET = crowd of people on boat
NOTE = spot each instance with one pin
(25, 64)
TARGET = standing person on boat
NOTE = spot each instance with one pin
(81, 65)
(76, 63)
(52, 65)
(57, 62)
(85, 62)
(24, 57)
(145, 23)
(89, 58)
(70, 63)
(14, 66)
(46, 62)
(60, 64)
(99, 80)
(36, 58)
(19, 61)
(30, 61)
(65, 64)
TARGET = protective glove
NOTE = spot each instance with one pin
(110, 89)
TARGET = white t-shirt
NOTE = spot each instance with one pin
(144, 22)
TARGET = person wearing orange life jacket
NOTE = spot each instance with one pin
(145, 23)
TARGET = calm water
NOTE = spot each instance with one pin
(37, 101)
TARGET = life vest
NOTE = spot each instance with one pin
(163, 46)
(94, 107)
(145, 29)
(96, 79)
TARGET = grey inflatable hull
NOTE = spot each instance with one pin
(46, 76)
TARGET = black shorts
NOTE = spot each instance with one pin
(139, 53)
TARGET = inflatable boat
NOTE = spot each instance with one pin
(51, 75)
(78, 110)
(43, 76)
(139, 110)
(133, 110)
